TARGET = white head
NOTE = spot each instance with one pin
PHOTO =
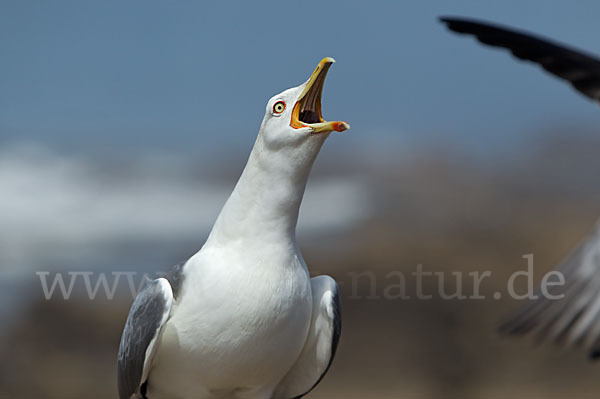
(293, 118)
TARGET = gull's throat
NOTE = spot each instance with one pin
(310, 104)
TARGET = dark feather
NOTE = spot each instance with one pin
(575, 66)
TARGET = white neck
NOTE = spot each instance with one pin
(265, 202)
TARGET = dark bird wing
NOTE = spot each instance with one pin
(575, 318)
(148, 315)
(580, 69)
(141, 335)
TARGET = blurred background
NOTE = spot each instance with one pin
(124, 126)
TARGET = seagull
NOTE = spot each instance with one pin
(242, 319)
(573, 320)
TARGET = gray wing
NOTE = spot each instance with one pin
(147, 317)
(578, 68)
(321, 343)
(574, 319)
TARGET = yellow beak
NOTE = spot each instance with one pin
(307, 110)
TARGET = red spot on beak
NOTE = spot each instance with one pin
(340, 126)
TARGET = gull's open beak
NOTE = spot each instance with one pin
(307, 111)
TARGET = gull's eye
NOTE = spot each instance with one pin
(278, 107)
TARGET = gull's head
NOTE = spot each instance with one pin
(294, 116)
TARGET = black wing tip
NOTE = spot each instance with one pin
(454, 23)
(448, 19)
(451, 22)
(594, 355)
(475, 26)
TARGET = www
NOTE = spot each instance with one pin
(86, 277)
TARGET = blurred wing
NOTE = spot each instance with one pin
(147, 317)
(321, 343)
(580, 69)
(574, 319)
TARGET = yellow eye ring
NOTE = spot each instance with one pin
(279, 107)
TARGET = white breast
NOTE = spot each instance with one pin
(239, 323)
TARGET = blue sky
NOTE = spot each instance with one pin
(188, 75)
